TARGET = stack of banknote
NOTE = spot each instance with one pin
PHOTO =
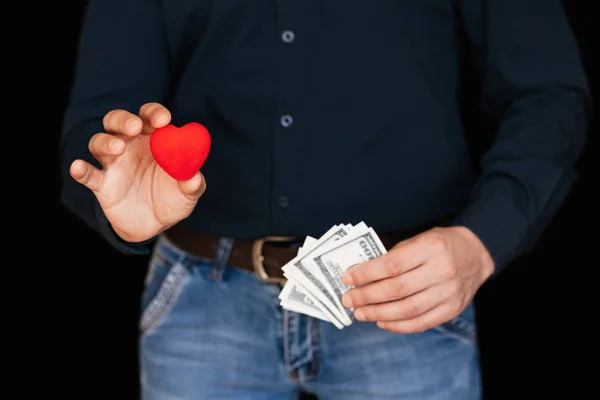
(314, 277)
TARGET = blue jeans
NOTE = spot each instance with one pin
(212, 331)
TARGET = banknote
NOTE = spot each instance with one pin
(294, 298)
(314, 277)
(312, 281)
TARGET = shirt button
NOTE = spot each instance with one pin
(284, 202)
(286, 121)
(287, 36)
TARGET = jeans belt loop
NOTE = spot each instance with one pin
(222, 253)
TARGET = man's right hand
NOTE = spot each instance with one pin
(139, 199)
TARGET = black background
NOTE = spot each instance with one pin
(535, 320)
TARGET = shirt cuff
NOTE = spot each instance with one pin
(494, 219)
(105, 228)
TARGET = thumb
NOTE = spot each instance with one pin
(193, 187)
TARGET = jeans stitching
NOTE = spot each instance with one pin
(300, 361)
(163, 301)
(292, 375)
(459, 329)
(316, 348)
(222, 253)
(314, 353)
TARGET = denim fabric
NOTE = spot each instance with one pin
(212, 331)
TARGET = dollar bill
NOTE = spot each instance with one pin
(305, 303)
(314, 277)
(356, 248)
(328, 281)
(312, 280)
(296, 299)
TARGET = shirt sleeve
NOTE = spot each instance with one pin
(534, 86)
(122, 63)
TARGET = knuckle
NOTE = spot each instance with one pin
(412, 310)
(450, 270)
(455, 289)
(437, 241)
(397, 287)
(454, 294)
(392, 267)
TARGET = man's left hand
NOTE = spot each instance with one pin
(421, 282)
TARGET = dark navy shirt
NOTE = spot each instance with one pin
(329, 112)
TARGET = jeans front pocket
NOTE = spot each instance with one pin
(167, 275)
(461, 327)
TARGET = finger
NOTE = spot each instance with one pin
(105, 147)
(407, 308)
(394, 288)
(193, 188)
(86, 174)
(402, 258)
(122, 122)
(154, 115)
(432, 318)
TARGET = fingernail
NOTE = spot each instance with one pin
(160, 118)
(113, 143)
(131, 124)
(381, 325)
(347, 301)
(359, 315)
(347, 278)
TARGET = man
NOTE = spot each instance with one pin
(321, 113)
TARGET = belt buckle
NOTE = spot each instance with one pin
(258, 258)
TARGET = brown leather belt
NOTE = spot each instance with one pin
(265, 256)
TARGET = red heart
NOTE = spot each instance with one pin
(181, 152)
